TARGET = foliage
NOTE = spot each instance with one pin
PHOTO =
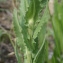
(30, 26)
(57, 22)
(30, 30)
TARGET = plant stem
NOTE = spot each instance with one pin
(28, 56)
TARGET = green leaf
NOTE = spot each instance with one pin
(41, 35)
(31, 10)
(18, 30)
(21, 32)
(39, 57)
(43, 20)
(57, 22)
(24, 4)
(39, 6)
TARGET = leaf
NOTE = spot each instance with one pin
(21, 33)
(31, 10)
(57, 23)
(24, 4)
(41, 35)
(43, 20)
(58, 29)
(40, 54)
(25, 36)
(18, 30)
(34, 8)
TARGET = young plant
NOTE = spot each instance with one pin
(30, 23)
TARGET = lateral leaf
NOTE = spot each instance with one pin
(24, 4)
(39, 57)
(43, 20)
(18, 30)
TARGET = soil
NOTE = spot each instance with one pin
(6, 49)
(7, 53)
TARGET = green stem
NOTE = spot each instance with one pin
(28, 56)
